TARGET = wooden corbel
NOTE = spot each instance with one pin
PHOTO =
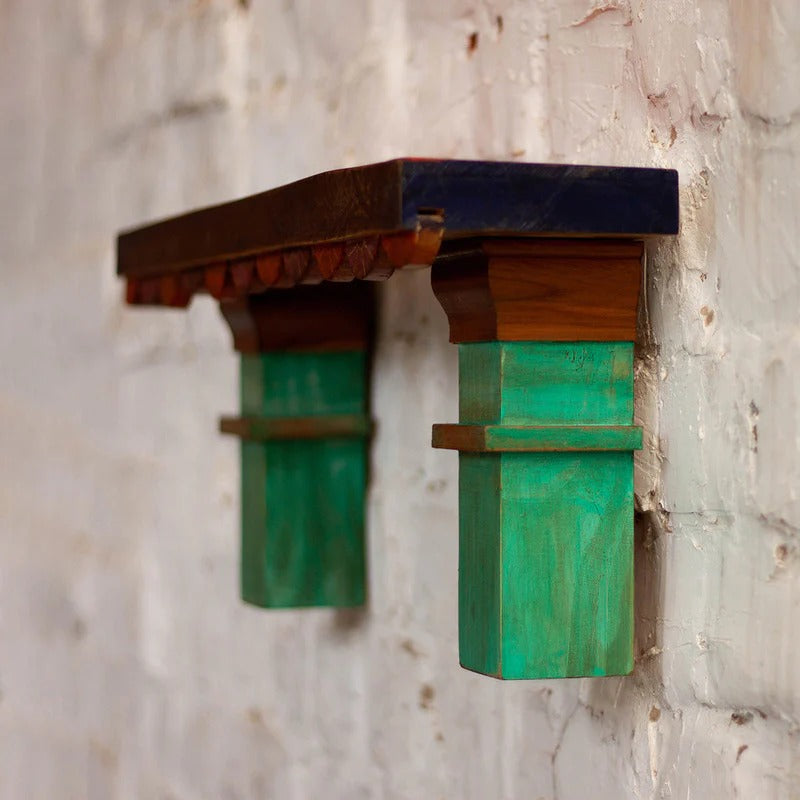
(538, 268)
(304, 428)
(545, 332)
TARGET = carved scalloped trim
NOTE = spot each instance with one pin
(371, 258)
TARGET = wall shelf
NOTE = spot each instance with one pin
(538, 268)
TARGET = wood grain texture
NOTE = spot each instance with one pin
(326, 317)
(474, 197)
(303, 499)
(327, 207)
(545, 290)
(546, 538)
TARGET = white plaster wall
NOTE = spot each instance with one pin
(128, 668)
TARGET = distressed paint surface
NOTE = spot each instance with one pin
(303, 499)
(546, 568)
(547, 383)
(128, 666)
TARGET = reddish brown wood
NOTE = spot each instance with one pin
(366, 261)
(400, 247)
(329, 259)
(461, 284)
(132, 291)
(149, 292)
(359, 256)
(268, 267)
(172, 292)
(263, 429)
(545, 290)
(470, 438)
(192, 281)
(243, 274)
(294, 267)
(332, 206)
(241, 320)
(415, 248)
(367, 258)
(218, 281)
(326, 317)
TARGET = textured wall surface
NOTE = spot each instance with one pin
(128, 668)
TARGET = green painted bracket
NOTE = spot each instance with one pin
(546, 499)
(304, 437)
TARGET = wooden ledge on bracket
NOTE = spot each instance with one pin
(538, 268)
(265, 429)
(536, 438)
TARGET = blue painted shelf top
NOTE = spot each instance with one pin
(472, 198)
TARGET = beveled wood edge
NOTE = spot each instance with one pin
(536, 438)
(265, 429)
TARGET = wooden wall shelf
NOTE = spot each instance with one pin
(538, 268)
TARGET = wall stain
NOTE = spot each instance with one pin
(79, 629)
(410, 648)
(754, 412)
(346, 621)
(426, 695)
(741, 750)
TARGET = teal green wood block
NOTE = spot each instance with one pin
(303, 499)
(546, 538)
